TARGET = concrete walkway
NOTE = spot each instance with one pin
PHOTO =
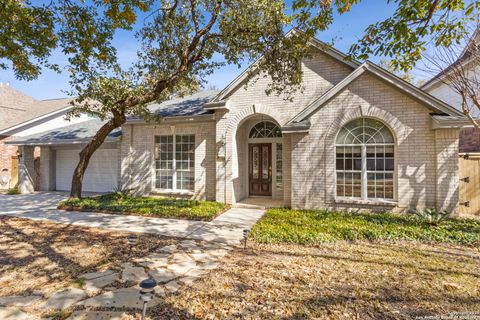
(227, 228)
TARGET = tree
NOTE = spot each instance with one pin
(179, 38)
(405, 75)
(458, 67)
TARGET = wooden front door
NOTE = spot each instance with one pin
(260, 169)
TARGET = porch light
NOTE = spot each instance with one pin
(246, 233)
(146, 293)
(18, 153)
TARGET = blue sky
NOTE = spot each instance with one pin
(345, 30)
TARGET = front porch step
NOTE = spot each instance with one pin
(249, 206)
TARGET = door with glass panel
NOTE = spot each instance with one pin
(260, 169)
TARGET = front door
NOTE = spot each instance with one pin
(260, 169)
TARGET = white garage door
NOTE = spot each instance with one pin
(101, 174)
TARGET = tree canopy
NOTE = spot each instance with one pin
(179, 40)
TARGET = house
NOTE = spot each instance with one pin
(19, 113)
(356, 137)
(438, 86)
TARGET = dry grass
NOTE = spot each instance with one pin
(334, 281)
(42, 257)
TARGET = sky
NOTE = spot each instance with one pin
(345, 31)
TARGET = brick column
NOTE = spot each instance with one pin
(26, 170)
(446, 146)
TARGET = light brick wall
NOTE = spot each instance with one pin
(415, 151)
(321, 73)
(446, 147)
(137, 162)
(426, 161)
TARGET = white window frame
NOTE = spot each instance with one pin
(364, 172)
(174, 170)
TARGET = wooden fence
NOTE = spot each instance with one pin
(469, 174)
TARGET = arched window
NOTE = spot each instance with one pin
(365, 161)
(265, 129)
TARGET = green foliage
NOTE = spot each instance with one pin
(13, 191)
(58, 315)
(79, 282)
(432, 215)
(314, 227)
(155, 207)
(415, 23)
(121, 194)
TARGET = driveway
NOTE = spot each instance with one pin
(227, 228)
(39, 201)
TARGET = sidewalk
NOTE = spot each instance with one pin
(226, 228)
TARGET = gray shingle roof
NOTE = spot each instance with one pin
(187, 106)
(17, 107)
(74, 133)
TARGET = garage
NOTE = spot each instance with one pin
(101, 174)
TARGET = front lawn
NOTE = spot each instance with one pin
(313, 227)
(334, 281)
(152, 207)
(39, 258)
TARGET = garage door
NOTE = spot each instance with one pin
(101, 174)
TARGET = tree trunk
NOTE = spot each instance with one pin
(88, 150)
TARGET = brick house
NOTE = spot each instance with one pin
(439, 87)
(18, 112)
(356, 137)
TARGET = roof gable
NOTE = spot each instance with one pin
(431, 102)
(314, 43)
(465, 59)
(18, 109)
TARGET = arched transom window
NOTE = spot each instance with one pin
(365, 160)
(265, 129)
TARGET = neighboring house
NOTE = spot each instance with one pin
(18, 112)
(437, 86)
(356, 137)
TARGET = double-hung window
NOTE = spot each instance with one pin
(365, 162)
(175, 162)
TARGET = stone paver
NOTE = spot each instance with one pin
(15, 314)
(162, 275)
(19, 301)
(153, 261)
(94, 275)
(65, 298)
(120, 298)
(173, 286)
(132, 273)
(95, 285)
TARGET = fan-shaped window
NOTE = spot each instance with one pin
(265, 129)
(365, 160)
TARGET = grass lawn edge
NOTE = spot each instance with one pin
(175, 212)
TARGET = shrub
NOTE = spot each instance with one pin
(13, 191)
(431, 215)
